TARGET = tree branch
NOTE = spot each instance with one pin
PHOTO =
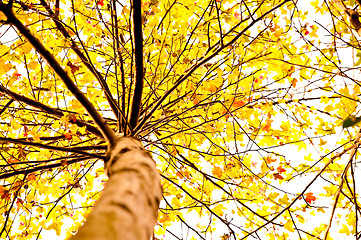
(198, 64)
(305, 189)
(138, 60)
(47, 109)
(354, 16)
(86, 61)
(352, 154)
(104, 128)
(56, 148)
(28, 170)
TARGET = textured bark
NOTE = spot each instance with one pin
(128, 207)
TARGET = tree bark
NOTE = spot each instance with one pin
(128, 207)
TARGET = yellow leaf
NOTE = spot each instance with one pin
(64, 120)
(322, 142)
(26, 48)
(289, 226)
(159, 230)
(351, 220)
(219, 209)
(15, 125)
(73, 128)
(330, 190)
(32, 65)
(4, 67)
(175, 202)
(320, 210)
(30, 198)
(308, 157)
(303, 74)
(264, 168)
(163, 218)
(3, 17)
(315, 3)
(301, 219)
(314, 30)
(217, 171)
(345, 230)
(273, 195)
(55, 226)
(324, 99)
(302, 145)
(56, 124)
(82, 130)
(284, 200)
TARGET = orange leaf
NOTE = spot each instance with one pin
(309, 197)
(67, 136)
(217, 171)
(179, 174)
(31, 177)
(238, 103)
(269, 160)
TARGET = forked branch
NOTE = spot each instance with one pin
(106, 131)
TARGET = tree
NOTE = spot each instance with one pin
(249, 109)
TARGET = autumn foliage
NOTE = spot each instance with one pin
(250, 109)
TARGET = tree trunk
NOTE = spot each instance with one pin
(128, 207)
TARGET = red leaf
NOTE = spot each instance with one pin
(309, 197)
(72, 66)
(67, 136)
(277, 176)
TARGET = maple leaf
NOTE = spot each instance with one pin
(73, 67)
(238, 103)
(100, 2)
(269, 159)
(280, 169)
(68, 135)
(31, 177)
(278, 176)
(5, 194)
(217, 171)
(309, 197)
(268, 125)
(225, 236)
